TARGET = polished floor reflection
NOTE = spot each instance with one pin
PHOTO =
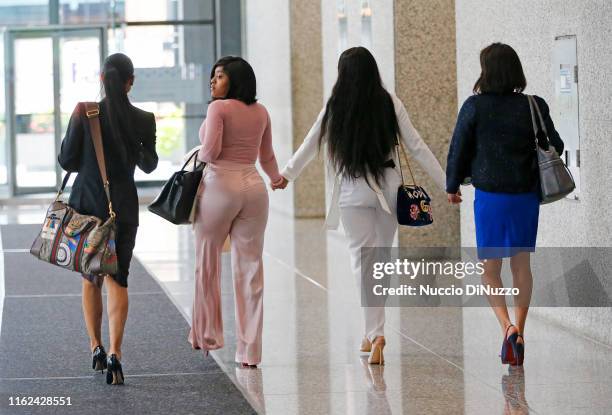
(438, 360)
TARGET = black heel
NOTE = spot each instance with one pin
(114, 375)
(99, 359)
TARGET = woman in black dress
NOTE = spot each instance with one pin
(128, 136)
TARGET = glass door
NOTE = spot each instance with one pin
(33, 121)
(52, 70)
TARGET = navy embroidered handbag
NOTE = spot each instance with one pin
(413, 202)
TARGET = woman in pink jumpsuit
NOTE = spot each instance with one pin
(232, 200)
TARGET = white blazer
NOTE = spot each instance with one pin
(409, 135)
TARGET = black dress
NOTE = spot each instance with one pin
(87, 196)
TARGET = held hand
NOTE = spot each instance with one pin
(280, 184)
(454, 198)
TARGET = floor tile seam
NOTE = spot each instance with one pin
(224, 368)
(301, 274)
(540, 319)
(295, 270)
(130, 375)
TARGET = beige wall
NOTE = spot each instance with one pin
(426, 81)
(307, 100)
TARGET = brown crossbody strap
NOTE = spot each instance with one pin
(92, 111)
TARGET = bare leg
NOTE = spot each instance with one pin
(492, 277)
(92, 311)
(523, 280)
(117, 308)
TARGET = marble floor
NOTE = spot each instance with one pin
(438, 360)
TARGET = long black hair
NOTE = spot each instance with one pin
(502, 72)
(243, 84)
(117, 72)
(359, 124)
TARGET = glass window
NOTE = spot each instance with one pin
(34, 113)
(161, 10)
(172, 64)
(90, 11)
(108, 11)
(342, 26)
(366, 24)
(24, 12)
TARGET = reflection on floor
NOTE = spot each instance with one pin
(438, 360)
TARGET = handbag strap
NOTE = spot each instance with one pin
(534, 108)
(195, 160)
(401, 145)
(92, 111)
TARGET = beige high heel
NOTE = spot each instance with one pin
(376, 355)
(366, 345)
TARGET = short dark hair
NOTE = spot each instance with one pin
(243, 84)
(501, 71)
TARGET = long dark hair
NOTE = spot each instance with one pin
(359, 122)
(243, 84)
(117, 71)
(502, 72)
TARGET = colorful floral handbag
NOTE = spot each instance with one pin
(413, 202)
(81, 243)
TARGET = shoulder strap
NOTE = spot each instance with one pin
(92, 111)
(534, 108)
(400, 145)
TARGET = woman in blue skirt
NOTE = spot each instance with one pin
(493, 145)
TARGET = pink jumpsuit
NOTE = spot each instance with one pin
(232, 200)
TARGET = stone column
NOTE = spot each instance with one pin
(307, 101)
(426, 81)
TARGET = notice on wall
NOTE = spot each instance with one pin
(184, 83)
(566, 79)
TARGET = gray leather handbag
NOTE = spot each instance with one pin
(556, 181)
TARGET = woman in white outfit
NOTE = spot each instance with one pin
(358, 128)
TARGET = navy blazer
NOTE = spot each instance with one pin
(77, 155)
(494, 144)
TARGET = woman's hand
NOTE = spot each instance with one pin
(454, 198)
(280, 184)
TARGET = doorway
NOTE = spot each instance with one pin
(48, 70)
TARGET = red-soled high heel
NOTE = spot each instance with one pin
(519, 350)
(507, 351)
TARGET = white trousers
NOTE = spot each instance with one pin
(366, 224)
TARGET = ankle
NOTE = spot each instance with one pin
(95, 343)
(114, 352)
(379, 340)
(509, 329)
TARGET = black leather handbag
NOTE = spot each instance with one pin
(175, 201)
(413, 202)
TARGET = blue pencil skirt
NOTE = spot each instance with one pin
(506, 223)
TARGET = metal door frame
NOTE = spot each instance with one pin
(55, 32)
